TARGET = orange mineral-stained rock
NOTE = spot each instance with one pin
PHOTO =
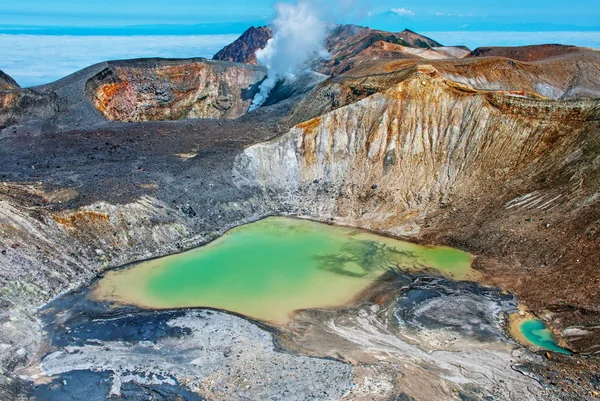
(173, 90)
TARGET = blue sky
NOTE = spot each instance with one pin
(438, 15)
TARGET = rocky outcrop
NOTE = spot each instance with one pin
(19, 105)
(244, 48)
(169, 90)
(134, 90)
(6, 82)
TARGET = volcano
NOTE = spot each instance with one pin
(494, 151)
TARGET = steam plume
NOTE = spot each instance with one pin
(298, 34)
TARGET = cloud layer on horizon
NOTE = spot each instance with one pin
(474, 39)
(39, 59)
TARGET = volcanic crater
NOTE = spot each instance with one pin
(495, 152)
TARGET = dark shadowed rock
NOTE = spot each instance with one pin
(243, 49)
(6, 82)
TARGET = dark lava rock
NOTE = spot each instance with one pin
(88, 385)
(188, 211)
(465, 308)
(244, 48)
(403, 397)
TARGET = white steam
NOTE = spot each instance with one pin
(298, 34)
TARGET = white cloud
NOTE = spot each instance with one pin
(402, 11)
(40, 59)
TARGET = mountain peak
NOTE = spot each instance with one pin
(244, 48)
(347, 45)
(6, 82)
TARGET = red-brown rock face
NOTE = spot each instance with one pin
(243, 49)
(173, 90)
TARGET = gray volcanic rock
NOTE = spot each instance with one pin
(26, 105)
(220, 356)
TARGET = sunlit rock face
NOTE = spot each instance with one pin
(387, 161)
(173, 90)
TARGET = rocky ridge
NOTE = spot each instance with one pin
(135, 90)
(348, 46)
(6, 82)
(243, 49)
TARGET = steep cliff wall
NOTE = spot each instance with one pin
(429, 155)
(173, 91)
(566, 77)
(420, 142)
(19, 105)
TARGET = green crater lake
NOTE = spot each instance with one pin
(536, 333)
(268, 269)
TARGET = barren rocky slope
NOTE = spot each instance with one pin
(6, 82)
(348, 45)
(243, 49)
(173, 90)
(490, 155)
